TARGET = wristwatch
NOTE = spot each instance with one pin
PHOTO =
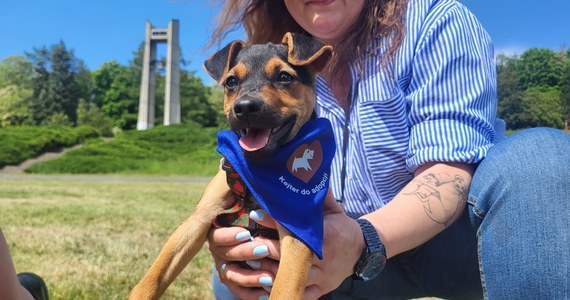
(373, 257)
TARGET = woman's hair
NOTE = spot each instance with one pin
(268, 20)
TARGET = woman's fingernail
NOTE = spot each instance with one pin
(264, 297)
(265, 280)
(257, 215)
(254, 264)
(243, 236)
(261, 250)
(267, 288)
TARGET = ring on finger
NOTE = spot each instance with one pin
(223, 269)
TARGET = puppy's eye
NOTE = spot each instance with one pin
(284, 77)
(231, 82)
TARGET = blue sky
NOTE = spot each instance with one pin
(103, 30)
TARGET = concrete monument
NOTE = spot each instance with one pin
(148, 81)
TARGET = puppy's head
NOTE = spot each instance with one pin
(269, 89)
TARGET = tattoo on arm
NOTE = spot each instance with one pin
(441, 195)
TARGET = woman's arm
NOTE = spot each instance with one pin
(432, 201)
(10, 287)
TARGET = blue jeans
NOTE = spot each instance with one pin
(512, 242)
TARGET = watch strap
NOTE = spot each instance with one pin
(371, 238)
(374, 247)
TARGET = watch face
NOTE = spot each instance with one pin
(373, 266)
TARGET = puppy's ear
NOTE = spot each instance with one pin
(304, 50)
(220, 63)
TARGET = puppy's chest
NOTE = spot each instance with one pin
(244, 203)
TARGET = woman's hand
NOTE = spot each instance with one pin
(343, 244)
(232, 245)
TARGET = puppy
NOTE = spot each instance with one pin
(269, 96)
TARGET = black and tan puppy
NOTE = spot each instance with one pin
(269, 95)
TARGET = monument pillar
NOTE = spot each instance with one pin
(172, 93)
(146, 113)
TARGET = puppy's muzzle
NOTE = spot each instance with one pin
(247, 108)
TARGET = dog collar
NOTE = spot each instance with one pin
(292, 184)
(238, 213)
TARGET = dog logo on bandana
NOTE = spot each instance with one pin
(305, 161)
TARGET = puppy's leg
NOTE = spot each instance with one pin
(294, 267)
(185, 242)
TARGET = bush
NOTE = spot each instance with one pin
(21, 143)
(89, 114)
(163, 150)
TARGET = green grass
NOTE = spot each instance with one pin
(178, 150)
(95, 239)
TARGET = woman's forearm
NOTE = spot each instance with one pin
(10, 287)
(432, 201)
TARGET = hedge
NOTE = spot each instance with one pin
(18, 144)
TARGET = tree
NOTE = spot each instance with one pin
(15, 90)
(13, 110)
(16, 70)
(512, 111)
(194, 101)
(84, 82)
(103, 79)
(542, 107)
(56, 83)
(117, 91)
(565, 87)
(540, 68)
(39, 103)
(216, 100)
(508, 91)
(534, 89)
(507, 76)
(64, 88)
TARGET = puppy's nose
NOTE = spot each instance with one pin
(246, 106)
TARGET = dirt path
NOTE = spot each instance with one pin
(19, 169)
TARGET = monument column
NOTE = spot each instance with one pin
(147, 96)
(172, 93)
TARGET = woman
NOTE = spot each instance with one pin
(411, 95)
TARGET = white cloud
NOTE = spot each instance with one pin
(510, 50)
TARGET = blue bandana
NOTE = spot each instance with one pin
(291, 185)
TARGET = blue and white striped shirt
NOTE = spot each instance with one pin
(439, 105)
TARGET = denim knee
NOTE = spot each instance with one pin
(528, 161)
(520, 201)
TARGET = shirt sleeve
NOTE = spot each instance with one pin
(452, 96)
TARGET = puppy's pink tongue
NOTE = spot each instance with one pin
(255, 139)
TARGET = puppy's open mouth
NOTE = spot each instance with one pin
(253, 139)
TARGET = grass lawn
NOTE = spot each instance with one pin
(95, 239)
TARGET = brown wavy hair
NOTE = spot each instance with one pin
(268, 20)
